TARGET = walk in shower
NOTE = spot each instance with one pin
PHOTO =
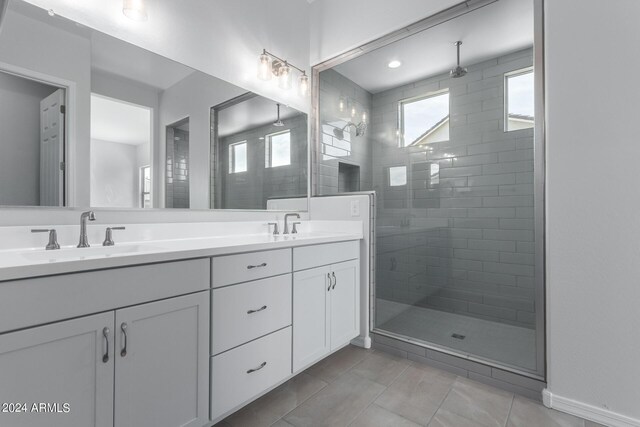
(441, 121)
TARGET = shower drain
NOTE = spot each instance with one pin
(458, 336)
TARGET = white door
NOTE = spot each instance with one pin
(345, 303)
(62, 363)
(52, 149)
(162, 374)
(310, 316)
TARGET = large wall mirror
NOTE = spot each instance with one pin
(91, 120)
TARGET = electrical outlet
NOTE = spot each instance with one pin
(355, 208)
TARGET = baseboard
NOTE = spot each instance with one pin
(360, 341)
(586, 411)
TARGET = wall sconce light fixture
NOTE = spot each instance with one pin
(135, 9)
(270, 66)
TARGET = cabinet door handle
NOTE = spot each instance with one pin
(123, 328)
(249, 267)
(335, 281)
(105, 334)
(329, 277)
(258, 368)
(264, 307)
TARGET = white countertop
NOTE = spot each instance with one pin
(29, 262)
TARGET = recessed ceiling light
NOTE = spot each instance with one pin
(394, 64)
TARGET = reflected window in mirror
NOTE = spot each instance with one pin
(145, 186)
(278, 149)
(424, 120)
(519, 96)
(238, 157)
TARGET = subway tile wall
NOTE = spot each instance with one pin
(464, 241)
(177, 174)
(252, 189)
(460, 239)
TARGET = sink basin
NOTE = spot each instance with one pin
(67, 254)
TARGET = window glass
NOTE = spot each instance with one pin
(424, 120)
(397, 176)
(520, 104)
(278, 150)
(238, 157)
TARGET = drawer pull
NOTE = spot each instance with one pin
(335, 281)
(249, 267)
(264, 307)
(329, 277)
(258, 368)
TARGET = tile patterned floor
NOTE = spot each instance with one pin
(367, 388)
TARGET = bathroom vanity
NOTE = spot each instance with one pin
(171, 333)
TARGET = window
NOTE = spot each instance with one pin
(278, 149)
(238, 157)
(424, 120)
(145, 187)
(519, 95)
(397, 176)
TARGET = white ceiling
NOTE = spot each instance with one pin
(496, 29)
(252, 113)
(116, 121)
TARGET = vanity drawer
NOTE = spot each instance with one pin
(31, 302)
(241, 313)
(331, 253)
(230, 269)
(244, 372)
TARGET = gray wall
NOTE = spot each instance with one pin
(252, 189)
(353, 150)
(20, 139)
(465, 244)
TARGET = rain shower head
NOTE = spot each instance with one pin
(458, 71)
(278, 122)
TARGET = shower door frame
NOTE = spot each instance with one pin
(539, 169)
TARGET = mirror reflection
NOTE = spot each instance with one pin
(90, 120)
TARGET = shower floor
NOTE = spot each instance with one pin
(499, 342)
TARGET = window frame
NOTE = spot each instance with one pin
(268, 151)
(405, 101)
(406, 176)
(507, 76)
(232, 157)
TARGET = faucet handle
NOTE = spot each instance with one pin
(108, 237)
(53, 238)
(295, 230)
(275, 227)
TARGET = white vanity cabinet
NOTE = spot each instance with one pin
(326, 300)
(132, 365)
(69, 363)
(161, 363)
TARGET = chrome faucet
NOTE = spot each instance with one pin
(84, 241)
(286, 221)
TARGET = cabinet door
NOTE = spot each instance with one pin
(161, 368)
(57, 364)
(310, 316)
(345, 303)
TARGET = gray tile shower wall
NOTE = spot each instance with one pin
(464, 241)
(252, 189)
(177, 174)
(344, 164)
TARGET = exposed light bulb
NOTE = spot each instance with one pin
(135, 9)
(364, 117)
(264, 66)
(51, 12)
(284, 79)
(303, 85)
(341, 104)
(353, 112)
